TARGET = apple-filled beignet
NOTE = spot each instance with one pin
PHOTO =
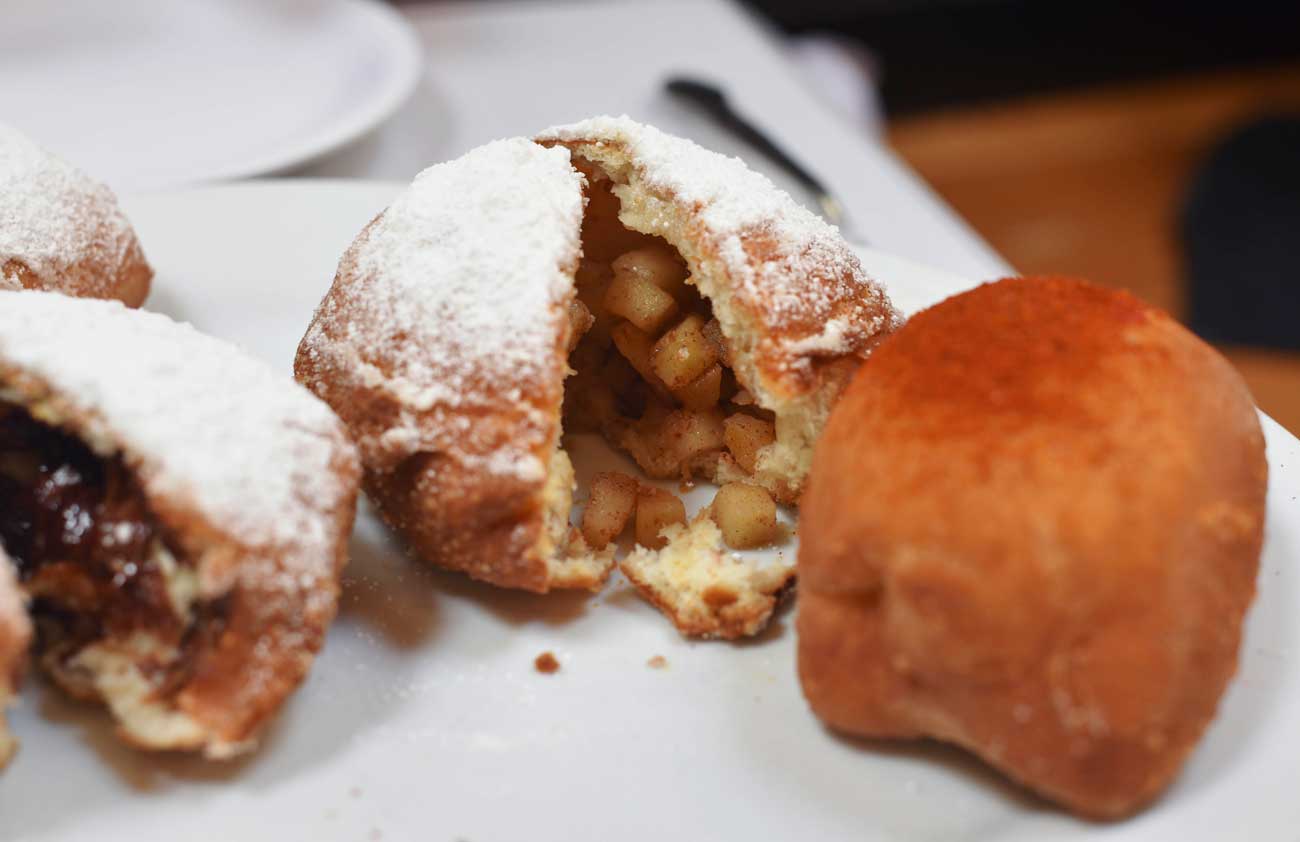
(62, 231)
(725, 321)
(178, 515)
(705, 324)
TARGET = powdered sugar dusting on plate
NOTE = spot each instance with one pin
(199, 420)
(794, 269)
(53, 216)
(451, 301)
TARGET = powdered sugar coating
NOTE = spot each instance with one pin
(207, 428)
(451, 304)
(790, 269)
(57, 221)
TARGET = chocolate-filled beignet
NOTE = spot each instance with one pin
(177, 513)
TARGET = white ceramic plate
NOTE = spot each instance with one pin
(425, 719)
(151, 93)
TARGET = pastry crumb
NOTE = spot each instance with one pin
(658, 662)
(546, 663)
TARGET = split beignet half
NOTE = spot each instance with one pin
(441, 345)
(778, 292)
(178, 515)
(15, 637)
(62, 231)
(606, 278)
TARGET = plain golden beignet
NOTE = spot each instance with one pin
(1032, 529)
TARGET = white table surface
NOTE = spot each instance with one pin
(511, 68)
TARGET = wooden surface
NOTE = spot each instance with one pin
(1089, 184)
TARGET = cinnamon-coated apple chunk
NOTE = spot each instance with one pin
(640, 302)
(657, 265)
(746, 515)
(703, 392)
(684, 353)
(656, 510)
(635, 346)
(745, 436)
(688, 434)
(613, 500)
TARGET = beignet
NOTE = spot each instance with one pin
(708, 324)
(62, 231)
(178, 515)
(1032, 529)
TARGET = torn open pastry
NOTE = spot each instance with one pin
(15, 636)
(62, 231)
(705, 324)
(178, 515)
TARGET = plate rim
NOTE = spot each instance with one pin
(399, 71)
(405, 54)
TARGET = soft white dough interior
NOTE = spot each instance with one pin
(112, 666)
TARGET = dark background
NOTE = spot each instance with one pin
(946, 52)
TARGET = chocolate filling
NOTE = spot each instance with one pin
(84, 542)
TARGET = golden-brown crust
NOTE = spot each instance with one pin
(269, 634)
(88, 277)
(1032, 529)
(464, 519)
(63, 231)
(437, 498)
(461, 475)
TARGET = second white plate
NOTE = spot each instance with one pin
(145, 94)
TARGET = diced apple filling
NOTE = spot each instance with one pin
(652, 375)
